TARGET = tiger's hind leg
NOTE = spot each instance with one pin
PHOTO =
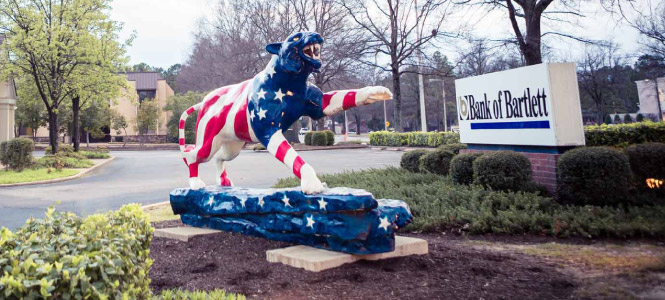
(228, 151)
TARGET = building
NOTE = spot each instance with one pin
(7, 106)
(652, 103)
(148, 86)
(143, 86)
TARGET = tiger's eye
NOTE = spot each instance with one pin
(295, 39)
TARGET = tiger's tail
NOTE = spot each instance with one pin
(181, 128)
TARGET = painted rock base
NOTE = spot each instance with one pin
(340, 219)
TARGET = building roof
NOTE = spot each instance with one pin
(145, 80)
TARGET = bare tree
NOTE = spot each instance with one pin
(652, 27)
(482, 57)
(398, 29)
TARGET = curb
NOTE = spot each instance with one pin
(149, 206)
(76, 176)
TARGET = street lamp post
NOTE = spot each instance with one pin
(443, 96)
(421, 87)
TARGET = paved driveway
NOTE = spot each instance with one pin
(148, 177)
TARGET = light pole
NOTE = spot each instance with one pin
(421, 88)
(443, 96)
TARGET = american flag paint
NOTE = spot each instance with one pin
(258, 110)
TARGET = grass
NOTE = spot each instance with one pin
(439, 204)
(32, 175)
(160, 213)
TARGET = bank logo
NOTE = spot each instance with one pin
(463, 108)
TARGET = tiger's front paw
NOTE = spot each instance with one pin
(309, 182)
(372, 94)
(196, 183)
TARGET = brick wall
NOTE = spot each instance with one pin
(543, 166)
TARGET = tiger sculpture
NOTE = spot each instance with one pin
(260, 109)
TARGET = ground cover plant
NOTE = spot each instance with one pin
(439, 204)
(32, 175)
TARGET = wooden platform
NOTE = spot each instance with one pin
(316, 260)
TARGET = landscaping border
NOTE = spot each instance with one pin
(76, 176)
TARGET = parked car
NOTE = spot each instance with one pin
(304, 130)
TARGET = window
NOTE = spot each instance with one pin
(146, 94)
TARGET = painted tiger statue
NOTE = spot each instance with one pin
(258, 110)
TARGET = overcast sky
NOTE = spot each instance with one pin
(164, 29)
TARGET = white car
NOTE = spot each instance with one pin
(303, 130)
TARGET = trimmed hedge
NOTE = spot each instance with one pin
(178, 294)
(411, 160)
(454, 148)
(320, 138)
(502, 170)
(105, 256)
(412, 139)
(593, 175)
(438, 204)
(62, 148)
(623, 135)
(437, 162)
(461, 167)
(647, 161)
(16, 154)
(63, 160)
(330, 137)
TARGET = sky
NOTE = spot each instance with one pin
(164, 29)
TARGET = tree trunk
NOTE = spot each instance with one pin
(397, 95)
(320, 124)
(124, 139)
(76, 134)
(532, 52)
(332, 123)
(53, 130)
(87, 139)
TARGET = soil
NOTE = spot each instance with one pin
(451, 270)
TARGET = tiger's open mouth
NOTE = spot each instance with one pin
(312, 51)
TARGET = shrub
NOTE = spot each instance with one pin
(623, 135)
(319, 138)
(639, 118)
(16, 154)
(62, 148)
(502, 170)
(437, 162)
(647, 161)
(61, 160)
(330, 137)
(64, 257)
(308, 138)
(94, 154)
(411, 160)
(438, 204)
(627, 119)
(617, 119)
(593, 175)
(461, 167)
(608, 119)
(454, 148)
(412, 139)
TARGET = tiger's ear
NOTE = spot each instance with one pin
(273, 48)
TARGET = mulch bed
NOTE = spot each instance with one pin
(451, 270)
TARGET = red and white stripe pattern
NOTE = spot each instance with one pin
(280, 148)
(336, 101)
(222, 117)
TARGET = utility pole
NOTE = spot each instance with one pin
(421, 87)
(445, 112)
(660, 109)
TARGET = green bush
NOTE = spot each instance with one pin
(105, 256)
(412, 139)
(639, 118)
(319, 138)
(437, 162)
(461, 167)
(94, 154)
(411, 160)
(308, 138)
(647, 161)
(454, 148)
(196, 295)
(593, 175)
(61, 160)
(16, 154)
(627, 119)
(623, 135)
(330, 137)
(439, 204)
(502, 170)
(62, 148)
